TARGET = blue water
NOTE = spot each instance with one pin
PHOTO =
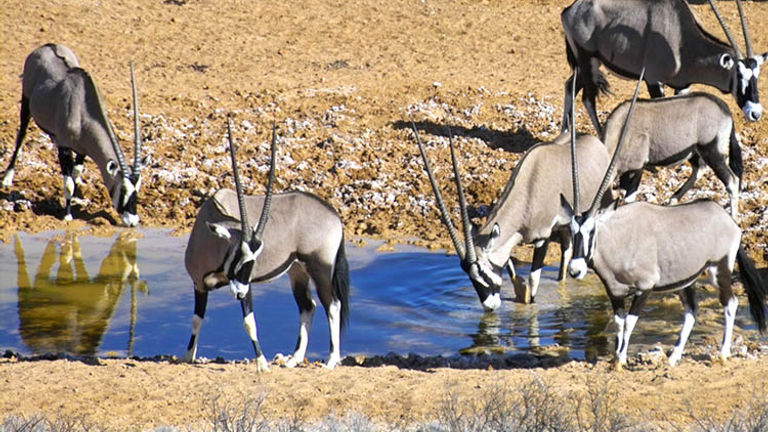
(408, 301)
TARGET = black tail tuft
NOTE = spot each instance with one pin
(340, 282)
(734, 156)
(601, 83)
(755, 288)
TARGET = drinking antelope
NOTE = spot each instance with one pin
(64, 101)
(640, 248)
(670, 131)
(297, 233)
(663, 36)
(526, 212)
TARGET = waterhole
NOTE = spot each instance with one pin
(130, 295)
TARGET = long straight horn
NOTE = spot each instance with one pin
(270, 186)
(612, 165)
(725, 28)
(574, 164)
(246, 227)
(439, 198)
(469, 243)
(747, 41)
(136, 126)
(110, 131)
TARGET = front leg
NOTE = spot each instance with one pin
(566, 253)
(201, 300)
(67, 164)
(539, 253)
(77, 170)
(629, 324)
(249, 323)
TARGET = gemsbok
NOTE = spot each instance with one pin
(669, 131)
(64, 101)
(526, 212)
(640, 248)
(663, 36)
(297, 233)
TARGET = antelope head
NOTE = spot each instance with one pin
(245, 244)
(126, 181)
(485, 277)
(744, 70)
(584, 225)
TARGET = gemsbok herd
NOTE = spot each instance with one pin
(634, 247)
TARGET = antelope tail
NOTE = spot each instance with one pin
(755, 287)
(340, 282)
(734, 156)
(598, 78)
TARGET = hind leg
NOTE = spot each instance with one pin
(67, 163)
(321, 276)
(717, 160)
(688, 298)
(695, 162)
(303, 296)
(201, 300)
(729, 301)
(24, 116)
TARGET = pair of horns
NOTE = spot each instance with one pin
(246, 227)
(612, 165)
(747, 42)
(465, 251)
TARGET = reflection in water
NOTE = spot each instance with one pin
(70, 311)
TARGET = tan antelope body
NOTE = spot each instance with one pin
(527, 212)
(672, 130)
(64, 102)
(298, 233)
(663, 36)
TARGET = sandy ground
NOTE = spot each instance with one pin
(342, 80)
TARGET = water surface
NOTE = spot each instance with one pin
(123, 295)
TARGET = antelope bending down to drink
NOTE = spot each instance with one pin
(297, 233)
(64, 101)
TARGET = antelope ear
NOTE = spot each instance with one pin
(762, 58)
(112, 168)
(726, 61)
(219, 230)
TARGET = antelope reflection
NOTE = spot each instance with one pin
(69, 311)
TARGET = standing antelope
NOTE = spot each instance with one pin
(662, 35)
(64, 101)
(526, 212)
(297, 233)
(641, 248)
(670, 131)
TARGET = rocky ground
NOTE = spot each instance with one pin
(342, 81)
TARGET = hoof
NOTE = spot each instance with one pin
(68, 218)
(262, 365)
(522, 290)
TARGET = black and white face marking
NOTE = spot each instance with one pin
(745, 82)
(486, 275)
(239, 261)
(124, 194)
(583, 232)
